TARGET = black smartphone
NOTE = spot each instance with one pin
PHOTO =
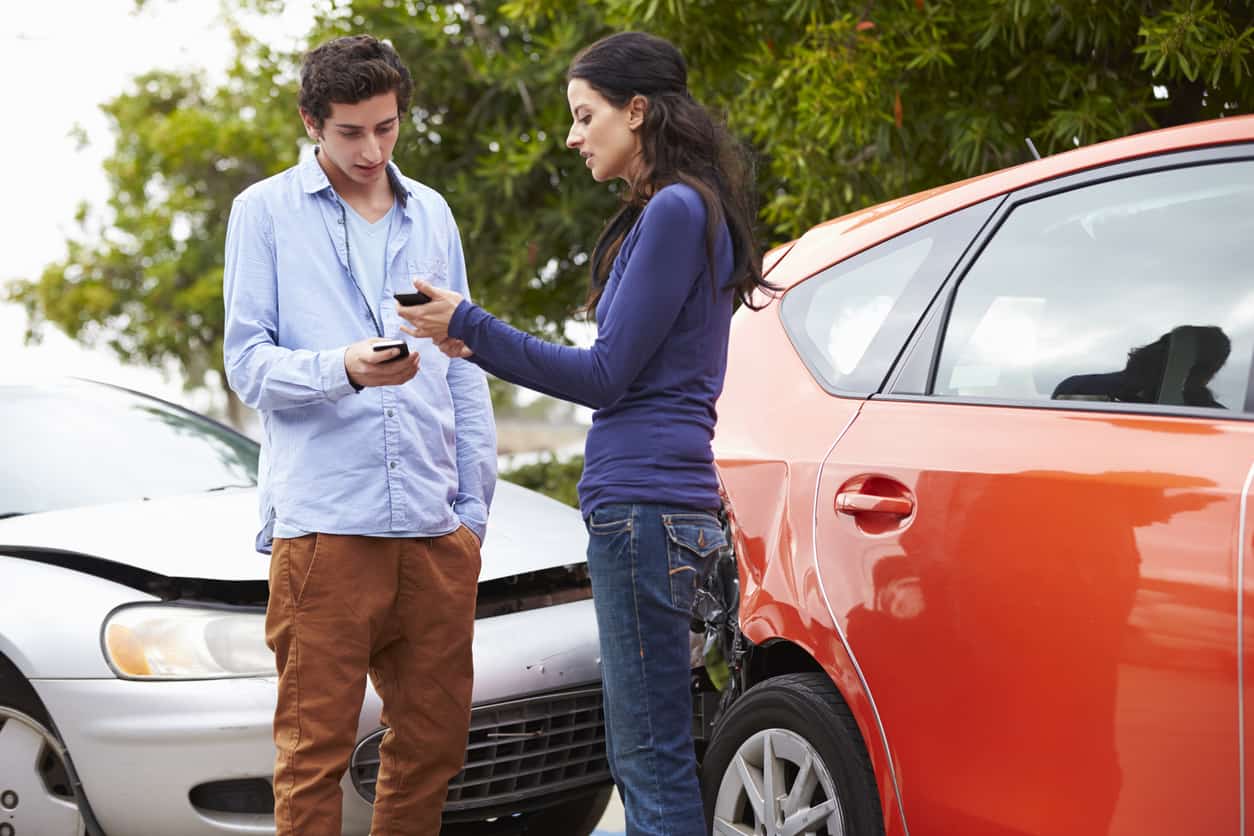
(388, 345)
(415, 298)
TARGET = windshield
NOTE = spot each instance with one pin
(74, 444)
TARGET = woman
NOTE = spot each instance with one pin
(665, 273)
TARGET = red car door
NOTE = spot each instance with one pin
(1245, 554)
(1031, 540)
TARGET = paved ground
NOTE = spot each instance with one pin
(611, 824)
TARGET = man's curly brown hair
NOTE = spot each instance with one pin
(349, 70)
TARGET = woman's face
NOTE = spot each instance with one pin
(607, 137)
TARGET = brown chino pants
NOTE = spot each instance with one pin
(403, 610)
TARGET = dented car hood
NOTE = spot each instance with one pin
(211, 535)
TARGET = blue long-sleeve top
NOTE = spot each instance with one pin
(655, 370)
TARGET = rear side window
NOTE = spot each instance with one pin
(850, 321)
(1137, 290)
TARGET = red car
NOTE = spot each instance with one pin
(988, 460)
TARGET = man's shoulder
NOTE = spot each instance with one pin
(276, 185)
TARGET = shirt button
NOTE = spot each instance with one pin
(392, 465)
(389, 413)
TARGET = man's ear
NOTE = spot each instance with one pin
(636, 109)
(311, 127)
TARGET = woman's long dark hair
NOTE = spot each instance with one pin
(680, 143)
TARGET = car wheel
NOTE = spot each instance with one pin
(787, 758)
(35, 791)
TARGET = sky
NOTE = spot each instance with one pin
(74, 55)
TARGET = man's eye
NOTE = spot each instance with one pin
(352, 135)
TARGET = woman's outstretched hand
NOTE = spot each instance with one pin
(431, 319)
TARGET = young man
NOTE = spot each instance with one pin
(377, 467)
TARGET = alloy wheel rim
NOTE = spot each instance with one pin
(777, 785)
(27, 805)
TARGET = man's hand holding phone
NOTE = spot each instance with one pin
(379, 362)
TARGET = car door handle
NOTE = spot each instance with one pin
(853, 502)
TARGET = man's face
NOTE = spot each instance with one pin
(357, 139)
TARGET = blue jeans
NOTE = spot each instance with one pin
(646, 562)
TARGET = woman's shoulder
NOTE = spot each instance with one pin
(674, 203)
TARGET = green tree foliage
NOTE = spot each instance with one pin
(149, 284)
(551, 477)
(845, 104)
(853, 103)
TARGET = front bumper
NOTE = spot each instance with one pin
(140, 748)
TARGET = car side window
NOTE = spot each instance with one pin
(1137, 290)
(850, 321)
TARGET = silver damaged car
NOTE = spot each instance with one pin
(136, 689)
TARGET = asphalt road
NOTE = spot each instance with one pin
(612, 824)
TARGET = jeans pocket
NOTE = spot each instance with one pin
(691, 540)
(610, 519)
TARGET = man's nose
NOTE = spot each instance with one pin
(372, 150)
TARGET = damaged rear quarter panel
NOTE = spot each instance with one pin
(776, 426)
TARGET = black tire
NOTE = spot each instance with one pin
(16, 693)
(809, 706)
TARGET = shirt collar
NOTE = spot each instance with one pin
(313, 179)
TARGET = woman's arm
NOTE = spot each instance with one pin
(668, 257)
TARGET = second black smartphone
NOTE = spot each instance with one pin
(415, 298)
(388, 345)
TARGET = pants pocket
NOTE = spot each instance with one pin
(691, 540)
(302, 556)
(471, 548)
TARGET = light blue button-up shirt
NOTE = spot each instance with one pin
(418, 458)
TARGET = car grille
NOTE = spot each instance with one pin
(524, 748)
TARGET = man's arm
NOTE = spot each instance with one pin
(473, 423)
(263, 374)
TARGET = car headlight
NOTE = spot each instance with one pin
(178, 641)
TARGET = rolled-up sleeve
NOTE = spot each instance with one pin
(265, 375)
(472, 417)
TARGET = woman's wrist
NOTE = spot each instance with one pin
(457, 321)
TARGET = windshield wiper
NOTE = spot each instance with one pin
(13, 514)
(229, 487)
